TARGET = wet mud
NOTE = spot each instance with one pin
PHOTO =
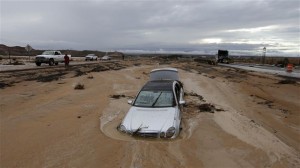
(246, 120)
(112, 117)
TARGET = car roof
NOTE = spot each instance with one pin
(164, 69)
(159, 85)
(164, 74)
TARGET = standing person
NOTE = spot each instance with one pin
(67, 60)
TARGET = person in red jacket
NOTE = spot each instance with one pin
(67, 60)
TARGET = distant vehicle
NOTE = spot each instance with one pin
(156, 111)
(50, 57)
(91, 57)
(223, 57)
(106, 57)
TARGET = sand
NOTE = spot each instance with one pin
(45, 122)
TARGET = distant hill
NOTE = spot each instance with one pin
(16, 50)
(21, 51)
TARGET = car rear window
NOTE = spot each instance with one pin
(164, 74)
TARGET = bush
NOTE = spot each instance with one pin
(79, 86)
(287, 81)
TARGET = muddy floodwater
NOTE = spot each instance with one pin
(232, 118)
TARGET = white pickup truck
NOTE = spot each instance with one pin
(50, 57)
(91, 57)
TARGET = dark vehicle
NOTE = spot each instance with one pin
(223, 56)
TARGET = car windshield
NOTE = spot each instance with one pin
(155, 99)
(47, 53)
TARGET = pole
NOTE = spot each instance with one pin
(9, 56)
(264, 55)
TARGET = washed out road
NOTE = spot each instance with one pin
(254, 120)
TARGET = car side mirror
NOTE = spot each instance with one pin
(181, 102)
(130, 102)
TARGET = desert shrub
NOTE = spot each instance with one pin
(117, 96)
(79, 86)
(287, 81)
(283, 63)
(18, 63)
(206, 107)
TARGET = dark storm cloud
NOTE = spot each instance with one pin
(203, 25)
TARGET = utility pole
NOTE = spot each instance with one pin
(9, 55)
(264, 55)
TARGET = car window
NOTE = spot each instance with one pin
(155, 99)
(47, 53)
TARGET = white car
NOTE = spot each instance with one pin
(91, 57)
(106, 57)
(156, 111)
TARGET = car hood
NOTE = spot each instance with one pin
(42, 56)
(149, 119)
(46, 56)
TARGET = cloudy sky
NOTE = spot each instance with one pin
(193, 26)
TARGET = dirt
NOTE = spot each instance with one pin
(232, 118)
(287, 81)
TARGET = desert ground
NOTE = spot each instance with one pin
(232, 118)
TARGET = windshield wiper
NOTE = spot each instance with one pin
(156, 99)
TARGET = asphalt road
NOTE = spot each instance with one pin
(266, 69)
(30, 66)
(250, 67)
